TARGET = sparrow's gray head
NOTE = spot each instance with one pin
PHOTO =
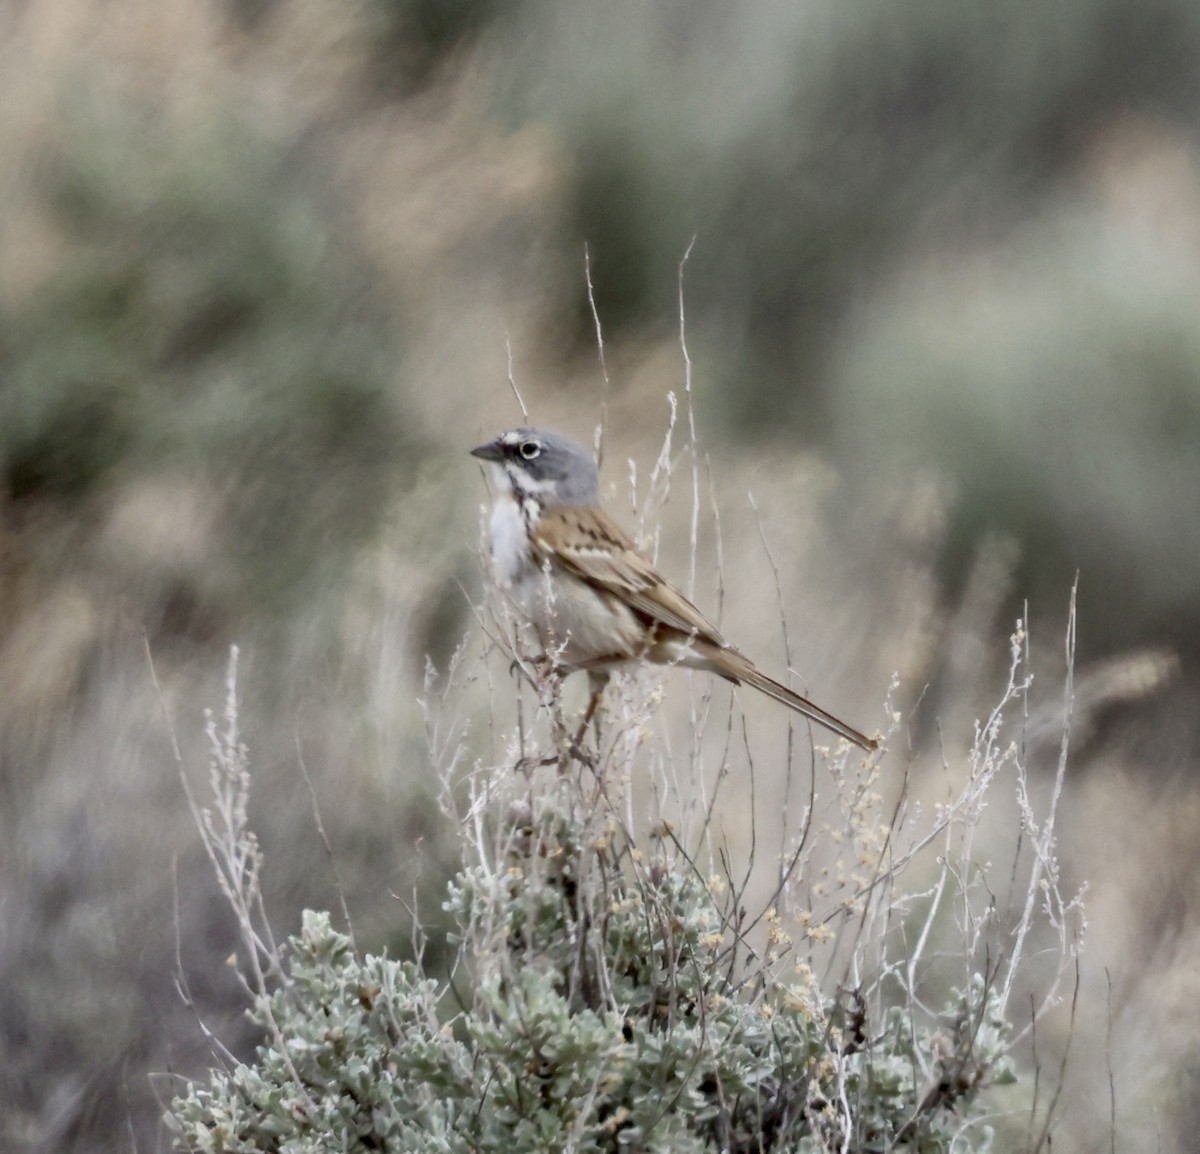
(544, 464)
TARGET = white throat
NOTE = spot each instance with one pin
(517, 504)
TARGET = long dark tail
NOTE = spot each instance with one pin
(706, 653)
(772, 688)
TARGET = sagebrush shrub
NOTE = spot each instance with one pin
(612, 1005)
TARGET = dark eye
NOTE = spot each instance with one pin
(529, 450)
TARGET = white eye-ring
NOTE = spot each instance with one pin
(529, 450)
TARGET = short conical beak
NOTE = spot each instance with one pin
(492, 451)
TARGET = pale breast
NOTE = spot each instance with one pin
(582, 624)
(572, 618)
(510, 542)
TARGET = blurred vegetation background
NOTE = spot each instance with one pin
(258, 263)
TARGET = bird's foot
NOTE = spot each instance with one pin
(527, 765)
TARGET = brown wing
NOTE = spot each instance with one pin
(586, 541)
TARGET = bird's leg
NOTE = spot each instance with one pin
(597, 680)
(550, 678)
(545, 676)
